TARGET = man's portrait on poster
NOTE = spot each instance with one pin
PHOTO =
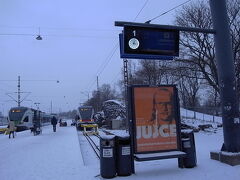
(162, 110)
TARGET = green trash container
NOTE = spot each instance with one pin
(107, 156)
(188, 146)
(124, 156)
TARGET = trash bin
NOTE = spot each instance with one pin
(124, 156)
(107, 156)
(188, 146)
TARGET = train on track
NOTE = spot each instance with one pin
(84, 118)
(26, 118)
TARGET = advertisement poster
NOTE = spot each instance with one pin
(155, 119)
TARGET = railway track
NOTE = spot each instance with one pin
(94, 146)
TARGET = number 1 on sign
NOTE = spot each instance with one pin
(134, 33)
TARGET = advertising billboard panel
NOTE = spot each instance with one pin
(155, 119)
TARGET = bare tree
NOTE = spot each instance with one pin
(198, 48)
(104, 93)
(151, 72)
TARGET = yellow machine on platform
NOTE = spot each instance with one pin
(3, 130)
(90, 129)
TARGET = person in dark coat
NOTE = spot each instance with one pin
(54, 123)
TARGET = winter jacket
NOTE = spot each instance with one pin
(54, 120)
(11, 126)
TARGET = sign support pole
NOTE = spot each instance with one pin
(125, 69)
(226, 77)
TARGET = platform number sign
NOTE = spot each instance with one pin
(149, 43)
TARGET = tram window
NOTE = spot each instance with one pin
(25, 119)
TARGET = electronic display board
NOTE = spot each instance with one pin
(155, 119)
(140, 56)
(150, 41)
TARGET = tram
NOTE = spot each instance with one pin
(25, 118)
(84, 119)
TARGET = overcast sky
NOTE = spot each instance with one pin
(79, 38)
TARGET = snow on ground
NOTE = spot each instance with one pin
(49, 156)
(58, 156)
(88, 155)
(195, 119)
(206, 169)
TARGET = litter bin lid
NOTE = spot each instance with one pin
(186, 131)
(107, 137)
(123, 136)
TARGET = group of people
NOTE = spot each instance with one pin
(12, 128)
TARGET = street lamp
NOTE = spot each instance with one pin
(39, 37)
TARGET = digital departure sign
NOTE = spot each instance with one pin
(149, 43)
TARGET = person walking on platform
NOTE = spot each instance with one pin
(54, 123)
(11, 128)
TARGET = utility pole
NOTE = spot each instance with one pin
(97, 84)
(98, 95)
(226, 77)
(19, 92)
(18, 99)
(51, 108)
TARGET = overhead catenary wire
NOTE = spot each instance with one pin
(141, 10)
(144, 5)
(104, 65)
(164, 13)
(168, 11)
(51, 31)
(56, 28)
(58, 35)
(112, 52)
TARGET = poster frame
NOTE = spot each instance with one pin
(132, 118)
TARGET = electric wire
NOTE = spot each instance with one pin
(16, 34)
(141, 10)
(115, 77)
(168, 11)
(58, 35)
(144, 5)
(152, 20)
(57, 28)
(104, 65)
(72, 34)
(115, 48)
(112, 52)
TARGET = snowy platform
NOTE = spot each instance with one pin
(50, 155)
(162, 155)
(58, 156)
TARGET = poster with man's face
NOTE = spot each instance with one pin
(155, 120)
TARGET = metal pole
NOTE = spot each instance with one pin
(19, 96)
(51, 107)
(97, 84)
(125, 69)
(98, 96)
(226, 76)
